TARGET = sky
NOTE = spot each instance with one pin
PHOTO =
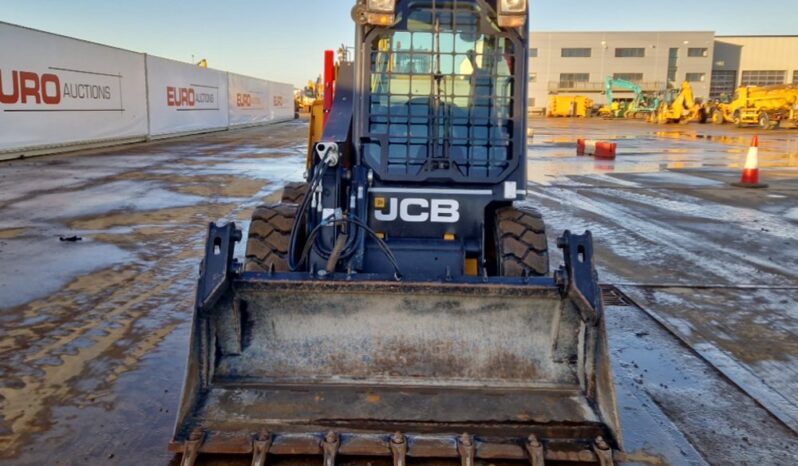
(284, 40)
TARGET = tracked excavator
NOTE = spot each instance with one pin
(398, 307)
(641, 107)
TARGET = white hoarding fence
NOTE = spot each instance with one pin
(184, 98)
(56, 91)
(282, 100)
(249, 100)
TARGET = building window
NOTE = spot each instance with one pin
(633, 77)
(630, 52)
(570, 80)
(673, 65)
(763, 78)
(533, 53)
(531, 102)
(795, 77)
(695, 77)
(697, 52)
(576, 53)
(723, 85)
(533, 77)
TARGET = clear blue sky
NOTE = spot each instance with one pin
(284, 40)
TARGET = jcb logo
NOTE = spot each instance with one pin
(417, 210)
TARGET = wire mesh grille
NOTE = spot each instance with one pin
(441, 98)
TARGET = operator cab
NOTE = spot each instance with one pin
(444, 92)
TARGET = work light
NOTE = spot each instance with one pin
(382, 6)
(381, 12)
(512, 13)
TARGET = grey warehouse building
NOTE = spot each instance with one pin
(577, 63)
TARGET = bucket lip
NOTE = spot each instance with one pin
(481, 286)
(423, 444)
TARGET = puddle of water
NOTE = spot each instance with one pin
(24, 263)
(118, 195)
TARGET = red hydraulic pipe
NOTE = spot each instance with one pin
(329, 83)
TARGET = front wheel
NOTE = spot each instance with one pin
(521, 244)
(717, 117)
(269, 235)
(294, 193)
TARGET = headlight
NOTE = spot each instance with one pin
(512, 13)
(383, 6)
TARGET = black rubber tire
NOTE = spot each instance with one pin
(703, 115)
(294, 193)
(764, 121)
(269, 234)
(521, 244)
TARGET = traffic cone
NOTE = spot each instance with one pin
(585, 147)
(600, 149)
(606, 150)
(750, 178)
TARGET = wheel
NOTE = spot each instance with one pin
(521, 245)
(717, 117)
(269, 234)
(764, 121)
(294, 193)
(737, 118)
(703, 116)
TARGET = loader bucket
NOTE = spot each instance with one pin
(491, 368)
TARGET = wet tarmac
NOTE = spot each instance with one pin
(93, 333)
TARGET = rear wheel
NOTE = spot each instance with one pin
(737, 118)
(717, 117)
(294, 193)
(269, 234)
(764, 121)
(521, 245)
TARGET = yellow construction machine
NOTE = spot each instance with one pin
(399, 307)
(681, 107)
(308, 95)
(766, 106)
(569, 106)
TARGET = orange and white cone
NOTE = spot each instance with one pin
(750, 178)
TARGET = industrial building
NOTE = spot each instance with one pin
(577, 63)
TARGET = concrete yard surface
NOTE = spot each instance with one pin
(99, 253)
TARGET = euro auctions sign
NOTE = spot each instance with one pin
(249, 100)
(184, 98)
(193, 97)
(60, 91)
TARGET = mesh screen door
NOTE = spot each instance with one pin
(441, 98)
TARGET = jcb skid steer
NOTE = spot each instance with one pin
(399, 307)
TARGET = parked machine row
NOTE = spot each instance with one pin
(767, 107)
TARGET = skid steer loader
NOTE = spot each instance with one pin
(399, 306)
